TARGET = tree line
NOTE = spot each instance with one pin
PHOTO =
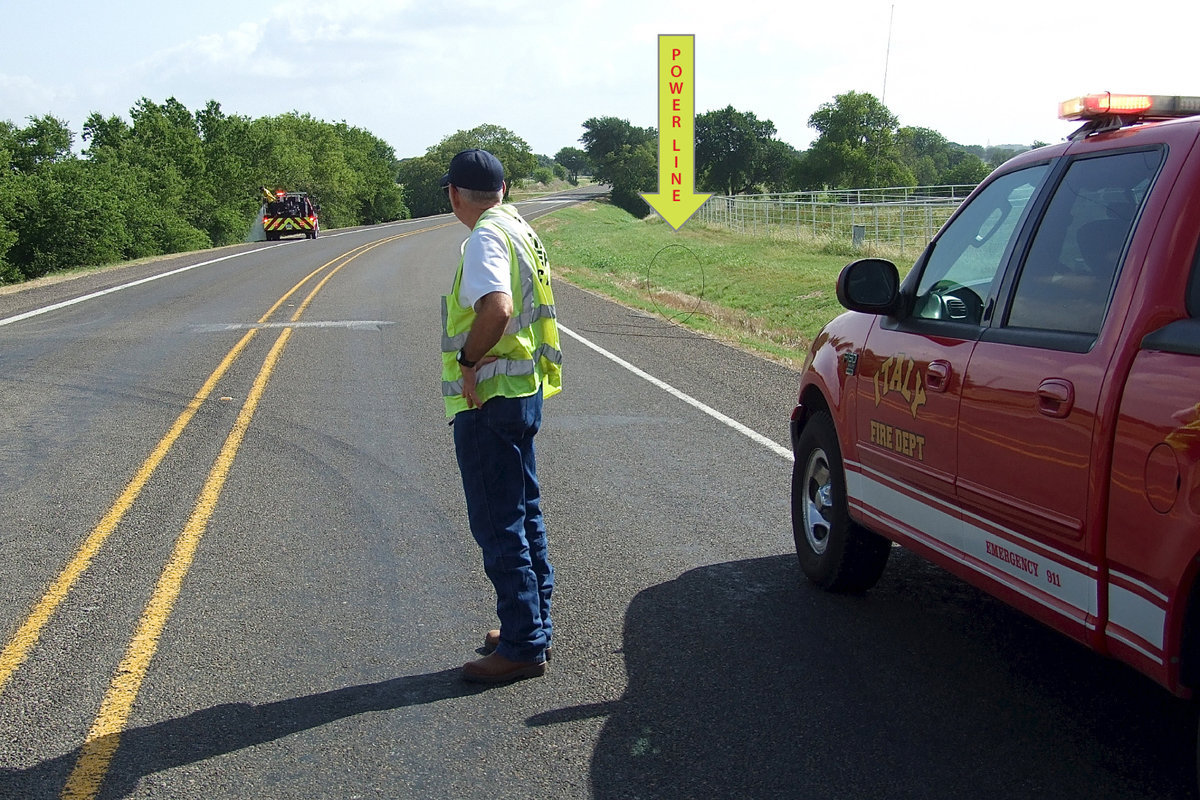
(171, 180)
(860, 144)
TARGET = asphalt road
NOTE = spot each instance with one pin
(234, 564)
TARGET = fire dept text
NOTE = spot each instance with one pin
(898, 440)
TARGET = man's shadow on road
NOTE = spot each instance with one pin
(231, 727)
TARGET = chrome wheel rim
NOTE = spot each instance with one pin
(818, 501)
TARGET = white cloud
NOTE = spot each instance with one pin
(414, 72)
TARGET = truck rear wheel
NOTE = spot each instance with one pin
(835, 553)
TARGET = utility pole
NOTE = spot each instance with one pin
(887, 54)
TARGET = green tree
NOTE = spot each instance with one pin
(373, 162)
(150, 194)
(625, 157)
(967, 170)
(934, 160)
(421, 176)
(995, 156)
(104, 136)
(735, 153)
(856, 146)
(67, 217)
(513, 151)
(171, 180)
(607, 141)
(46, 140)
(575, 161)
(635, 172)
(229, 174)
(349, 172)
(163, 146)
(779, 161)
(9, 183)
(926, 152)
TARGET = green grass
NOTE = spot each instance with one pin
(765, 295)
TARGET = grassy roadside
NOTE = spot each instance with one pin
(768, 296)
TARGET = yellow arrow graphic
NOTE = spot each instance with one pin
(676, 199)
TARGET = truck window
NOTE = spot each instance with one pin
(1075, 254)
(958, 276)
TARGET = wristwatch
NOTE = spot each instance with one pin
(462, 359)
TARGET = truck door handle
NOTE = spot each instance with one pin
(1056, 397)
(937, 376)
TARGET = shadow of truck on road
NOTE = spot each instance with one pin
(746, 682)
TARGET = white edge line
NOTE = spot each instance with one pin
(47, 309)
(37, 312)
(64, 304)
(770, 444)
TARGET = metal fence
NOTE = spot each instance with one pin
(901, 218)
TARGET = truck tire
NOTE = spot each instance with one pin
(835, 553)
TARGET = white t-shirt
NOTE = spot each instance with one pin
(486, 267)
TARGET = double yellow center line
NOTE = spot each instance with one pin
(103, 738)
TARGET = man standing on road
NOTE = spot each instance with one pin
(500, 359)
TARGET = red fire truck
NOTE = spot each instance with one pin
(1023, 408)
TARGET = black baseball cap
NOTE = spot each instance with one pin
(475, 169)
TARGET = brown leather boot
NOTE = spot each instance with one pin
(498, 669)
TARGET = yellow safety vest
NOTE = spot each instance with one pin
(527, 358)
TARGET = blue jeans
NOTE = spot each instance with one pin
(494, 445)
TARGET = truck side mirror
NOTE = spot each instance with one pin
(870, 286)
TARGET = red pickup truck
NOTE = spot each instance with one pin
(1024, 407)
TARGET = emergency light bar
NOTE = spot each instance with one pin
(1140, 106)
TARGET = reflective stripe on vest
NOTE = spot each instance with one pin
(504, 366)
(527, 355)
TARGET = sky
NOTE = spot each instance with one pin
(413, 73)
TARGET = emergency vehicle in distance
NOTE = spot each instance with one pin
(289, 213)
(1023, 409)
